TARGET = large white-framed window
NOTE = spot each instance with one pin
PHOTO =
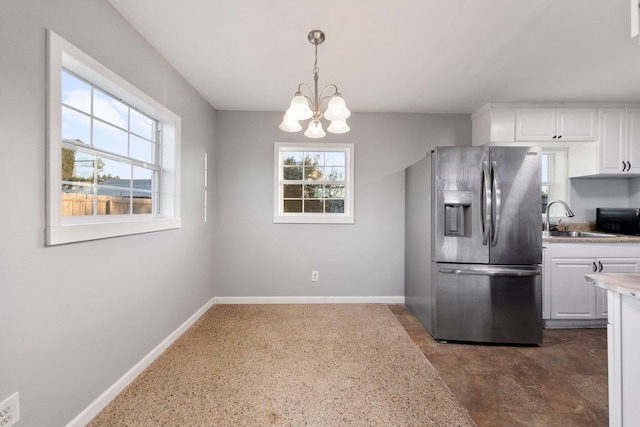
(313, 183)
(553, 176)
(113, 153)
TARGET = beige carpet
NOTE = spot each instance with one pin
(289, 365)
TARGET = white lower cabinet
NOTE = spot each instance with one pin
(566, 294)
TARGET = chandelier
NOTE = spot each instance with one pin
(309, 106)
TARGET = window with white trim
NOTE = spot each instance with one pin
(113, 152)
(313, 183)
(553, 177)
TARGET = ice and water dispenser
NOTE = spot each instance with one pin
(457, 213)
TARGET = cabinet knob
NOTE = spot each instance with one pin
(600, 267)
(624, 166)
(560, 136)
(595, 267)
(554, 137)
(628, 166)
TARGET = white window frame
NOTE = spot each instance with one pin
(282, 217)
(63, 229)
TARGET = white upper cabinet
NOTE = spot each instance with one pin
(617, 152)
(632, 146)
(612, 144)
(555, 124)
(492, 125)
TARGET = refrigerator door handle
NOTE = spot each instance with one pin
(491, 272)
(486, 203)
(495, 181)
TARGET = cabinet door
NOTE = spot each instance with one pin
(632, 152)
(602, 307)
(576, 124)
(611, 145)
(535, 124)
(612, 265)
(571, 296)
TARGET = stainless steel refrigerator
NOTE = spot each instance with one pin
(474, 244)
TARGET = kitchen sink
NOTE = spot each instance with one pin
(589, 234)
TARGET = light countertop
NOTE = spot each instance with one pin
(623, 283)
(613, 239)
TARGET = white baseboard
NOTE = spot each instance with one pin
(309, 300)
(103, 400)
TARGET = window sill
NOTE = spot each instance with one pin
(313, 219)
(62, 234)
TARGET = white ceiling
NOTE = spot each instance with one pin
(423, 56)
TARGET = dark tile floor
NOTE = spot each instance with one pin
(562, 382)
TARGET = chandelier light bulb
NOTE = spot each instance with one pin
(338, 126)
(299, 109)
(337, 109)
(314, 130)
(289, 124)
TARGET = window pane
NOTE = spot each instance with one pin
(143, 195)
(313, 159)
(293, 191)
(77, 200)
(292, 173)
(76, 126)
(142, 178)
(293, 205)
(113, 172)
(141, 149)
(334, 173)
(545, 167)
(292, 158)
(334, 158)
(77, 166)
(109, 138)
(142, 125)
(142, 203)
(313, 191)
(76, 93)
(314, 206)
(110, 109)
(313, 172)
(545, 198)
(113, 201)
(334, 191)
(334, 206)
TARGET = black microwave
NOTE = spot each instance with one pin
(618, 220)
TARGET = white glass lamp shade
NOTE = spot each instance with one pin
(290, 125)
(338, 126)
(337, 109)
(314, 130)
(299, 109)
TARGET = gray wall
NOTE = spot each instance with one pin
(634, 193)
(75, 318)
(587, 194)
(259, 258)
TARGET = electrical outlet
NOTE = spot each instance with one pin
(9, 411)
(314, 276)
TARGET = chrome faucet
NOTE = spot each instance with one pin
(547, 226)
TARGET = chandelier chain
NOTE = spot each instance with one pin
(316, 70)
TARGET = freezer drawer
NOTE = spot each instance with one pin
(486, 303)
